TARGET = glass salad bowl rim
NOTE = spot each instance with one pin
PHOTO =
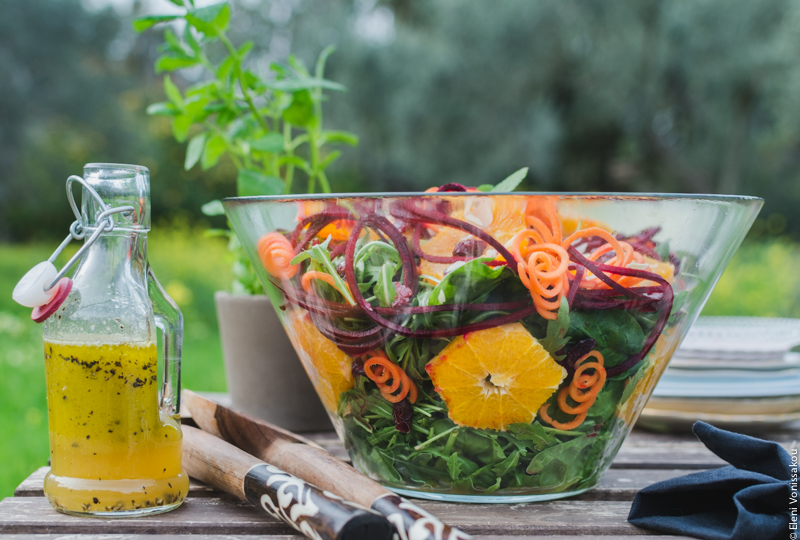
(565, 194)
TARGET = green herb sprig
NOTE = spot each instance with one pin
(271, 127)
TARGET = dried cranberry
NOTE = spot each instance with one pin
(578, 350)
(402, 414)
(444, 207)
(357, 369)
(452, 186)
(340, 268)
(471, 247)
(403, 295)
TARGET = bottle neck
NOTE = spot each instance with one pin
(109, 301)
(116, 259)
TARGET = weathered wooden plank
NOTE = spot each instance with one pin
(32, 515)
(104, 536)
(283, 537)
(622, 484)
(586, 536)
(616, 484)
(598, 518)
(667, 455)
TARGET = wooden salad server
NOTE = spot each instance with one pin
(318, 515)
(316, 466)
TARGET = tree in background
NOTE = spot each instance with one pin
(633, 95)
(74, 90)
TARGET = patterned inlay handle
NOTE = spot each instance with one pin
(320, 515)
(414, 523)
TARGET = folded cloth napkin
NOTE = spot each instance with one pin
(754, 498)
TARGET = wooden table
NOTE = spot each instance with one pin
(207, 513)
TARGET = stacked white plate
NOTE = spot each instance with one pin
(735, 372)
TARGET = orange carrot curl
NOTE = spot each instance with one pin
(381, 370)
(624, 254)
(276, 252)
(583, 390)
(327, 278)
(541, 213)
(542, 268)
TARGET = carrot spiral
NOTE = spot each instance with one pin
(381, 370)
(542, 268)
(583, 390)
(542, 215)
(276, 253)
(624, 254)
(327, 278)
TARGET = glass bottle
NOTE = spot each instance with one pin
(115, 438)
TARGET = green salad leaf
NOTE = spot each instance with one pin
(511, 183)
(322, 257)
(557, 338)
(618, 334)
(469, 282)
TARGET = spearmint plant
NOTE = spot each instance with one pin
(269, 126)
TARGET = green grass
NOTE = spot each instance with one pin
(189, 266)
(761, 280)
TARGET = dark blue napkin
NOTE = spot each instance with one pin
(751, 499)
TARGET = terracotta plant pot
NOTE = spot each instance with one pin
(265, 377)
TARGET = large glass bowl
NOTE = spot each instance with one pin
(486, 347)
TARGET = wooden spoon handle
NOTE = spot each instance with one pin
(318, 515)
(317, 466)
(313, 464)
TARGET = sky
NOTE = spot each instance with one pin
(374, 24)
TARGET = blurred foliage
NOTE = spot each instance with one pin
(633, 95)
(743, 289)
(75, 88)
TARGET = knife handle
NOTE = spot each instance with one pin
(316, 514)
(321, 468)
(412, 521)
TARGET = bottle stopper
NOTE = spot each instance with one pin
(43, 287)
(32, 291)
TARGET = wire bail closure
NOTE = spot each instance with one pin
(77, 230)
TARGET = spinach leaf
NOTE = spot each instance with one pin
(556, 338)
(468, 282)
(617, 333)
(607, 401)
(560, 466)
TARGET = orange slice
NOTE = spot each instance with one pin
(441, 245)
(495, 377)
(327, 366)
(508, 218)
(665, 269)
(501, 217)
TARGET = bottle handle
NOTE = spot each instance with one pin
(169, 320)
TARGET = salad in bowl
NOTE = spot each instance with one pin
(483, 346)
